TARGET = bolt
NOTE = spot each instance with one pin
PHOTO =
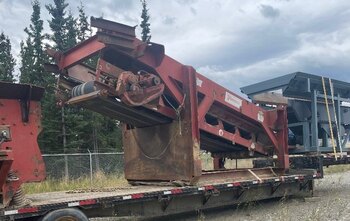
(4, 134)
(156, 80)
(252, 146)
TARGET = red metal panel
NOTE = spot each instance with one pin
(235, 138)
(191, 91)
(23, 158)
(282, 137)
(204, 107)
(80, 52)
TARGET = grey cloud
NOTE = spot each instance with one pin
(168, 20)
(122, 4)
(325, 23)
(240, 43)
(324, 55)
(241, 10)
(264, 50)
(193, 10)
(131, 19)
(186, 2)
(114, 5)
(251, 46)
(268, 11)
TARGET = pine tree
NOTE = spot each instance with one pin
(76, 131)
(58, 26)
(71, 30)
(7, 62)
(80, 129)
(33, 56)
(32, 71)
(97, 132)
(50, 139)
(27, 60)
(58, 23)
(83, 24)
(145, 25)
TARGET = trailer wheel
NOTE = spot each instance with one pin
(65, 215)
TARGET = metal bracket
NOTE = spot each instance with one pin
(208, 194)
(304, 184)
(206, 198)
(25, 110)
(25, 106)
(164, 201)
(274, 187)
(240, 192)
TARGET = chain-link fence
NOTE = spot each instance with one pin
(77, 165)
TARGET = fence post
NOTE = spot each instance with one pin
(90, 156)
(94, 138)
(66, 170)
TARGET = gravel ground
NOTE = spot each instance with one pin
(331, 201)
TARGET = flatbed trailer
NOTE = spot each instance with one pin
(158, 201)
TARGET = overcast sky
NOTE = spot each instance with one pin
(235, 43)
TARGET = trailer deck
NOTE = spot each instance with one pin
(155, 201)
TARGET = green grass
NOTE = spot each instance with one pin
(99, 181)
(336, 169)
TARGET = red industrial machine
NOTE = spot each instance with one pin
(170, 111)
(20, 160)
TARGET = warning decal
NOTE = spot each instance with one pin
(233, 100)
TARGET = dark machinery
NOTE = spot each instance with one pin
(318, 110)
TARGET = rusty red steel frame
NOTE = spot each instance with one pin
(170, 111)
(20, 156)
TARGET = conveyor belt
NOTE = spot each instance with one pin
(137, 116)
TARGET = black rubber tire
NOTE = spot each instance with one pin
(65, 215)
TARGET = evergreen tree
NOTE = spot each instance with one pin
(32, 71)
(27, 60)
(80, 129)
(50, 139)
(83, 25)
(58, 23)
(145, 25)
(7, 62)
(33, 56)
(97, 132)
(71, 31)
